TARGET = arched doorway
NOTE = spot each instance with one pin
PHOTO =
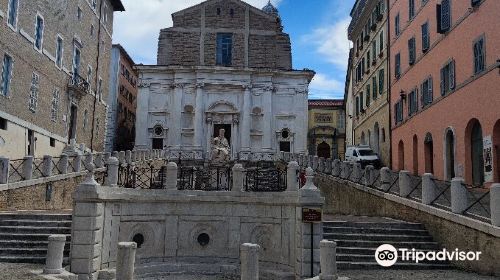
(449, 164)
(363, 140)
(376, 138)
(476, 154)
(429, 153)
(401, 155)
(496, 151)
(324, 150)
(415, 154)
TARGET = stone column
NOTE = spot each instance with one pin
(336, 168)
(238, 178)
(55, 254)
(77, 163)
(292, 183)
(246, 118)
(249, 254)
(4, 170)
(125, 261)
(198, 116)
(63, 164)
(47, 166)
(268, 119)
(495, 204)
(107, 155)
(111, 179)
(428, 189)
(28, 168)
(171, 180)
(176, 129)
(385, 178)
(458, 196)
(404, 183)
(328, 260)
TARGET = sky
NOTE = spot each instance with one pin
(317, 28)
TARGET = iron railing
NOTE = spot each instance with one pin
(265, 180)
(207, 178)
(479, 203)
(37, 168)
(138, 177)
(16, 170)
(443, 198)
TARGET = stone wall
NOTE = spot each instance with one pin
(449, 230)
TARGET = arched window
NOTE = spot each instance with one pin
(415, 154)
(401, 155)
(429, 153)
(369, 138)
(476, 153)
(376, 138)
(363, 139)
(449, 164)
(324, 150)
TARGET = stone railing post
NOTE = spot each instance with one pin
(99, 160)
(55, 254)
(171, 176)
(63, 164)
(292, 183)
(357, 171)
(495, 204)
(428, 189)
(107, 155)
(115, 154)
(77, 163)
(128, 156)
(336, 168)
(321, 165)
(4, 170)
(344, 170)
(238, 178)
(47, 166)
(111, 179)
(458, 196)
(309, 185)
(385, 178)
(89, 159)
(328, 261)
(369, 175)
(28, 168)
(125, 261)
(404, 183)
(249, 254)
(121, 157)
(328, 166)
(315, 163)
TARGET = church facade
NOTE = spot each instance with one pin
(223, 65)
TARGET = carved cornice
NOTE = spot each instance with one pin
(144, 84)
(247, 86)
(200, 85)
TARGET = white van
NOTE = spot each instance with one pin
(363, 155)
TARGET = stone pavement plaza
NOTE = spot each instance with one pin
(23, 272)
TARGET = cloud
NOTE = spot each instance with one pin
(323, 87)
(137, 28)
(332, 43)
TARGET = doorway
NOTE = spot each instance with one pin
(323, 150)
(450, 154)
(31, 143)
(227, 133)
(477, 155)
(72, 123)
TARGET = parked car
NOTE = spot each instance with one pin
(363, 155)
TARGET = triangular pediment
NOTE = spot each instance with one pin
(238, 2)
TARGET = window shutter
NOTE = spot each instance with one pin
(430, 91)
(443, 90)
(445, 15)
(416, 99)
(396, 113)
(381, 81)
(476, 57)
(422, 94)
(452, 75)
(438, 19)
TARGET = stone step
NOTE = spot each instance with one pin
(388, 231)
(378, 237)
(35, 223)
(27, 259)
(346, 265)
(28, 237)
(376, 244)
(33, 230)
(27, 244)
(371, 258)
(389, 225)
(35, 251)
(35, 216)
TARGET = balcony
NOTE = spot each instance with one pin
(78, 86)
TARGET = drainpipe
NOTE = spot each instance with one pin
(96, 76)
(389, 87)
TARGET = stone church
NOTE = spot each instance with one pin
(223, 65)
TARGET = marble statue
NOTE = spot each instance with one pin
(220, 148)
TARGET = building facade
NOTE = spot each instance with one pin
(223, 65)
(368, 31)
(122, 101)
(326, 134)
(54, 59)
(349, 103)
(445, 84)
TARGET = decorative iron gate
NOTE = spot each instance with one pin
(207, 178)
(265, 180)
(141, 177)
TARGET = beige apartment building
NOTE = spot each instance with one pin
(369, 75)
(54, 59)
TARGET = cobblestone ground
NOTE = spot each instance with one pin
(11, 271)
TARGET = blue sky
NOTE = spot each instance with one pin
(318, 30)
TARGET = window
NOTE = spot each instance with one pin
(397, 65)
(99, 90)
(443, 16)
(6, 75)
(374, 51)
(55, 105)
(224, 49)
(3, 124)
(12, 13)
(89, 75)
(52, 142)
(411, 8)
(92, 30)
(367, 96)
(398, 109)
(97, 127)
(411, 51)
(357, 106)
(425, 37)
(374, 86)
(39, 32)
(381, 80)
(218, 11)
(105, 12)
(448, 78)
(59, 51)
(396, 25)
(479, 55)
(157, 144)
(35, 87)
(85, 119)
(361, 107)
(76, 60)
(475, 3)
(412, 102)
(368, 59)
(79, 14)
(426, 90)
(381, 42)
(94, 4)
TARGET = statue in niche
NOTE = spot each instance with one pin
(220, 148)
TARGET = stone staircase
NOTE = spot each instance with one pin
(358, 240)
(24, 236)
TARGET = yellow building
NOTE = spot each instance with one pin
(326, 133)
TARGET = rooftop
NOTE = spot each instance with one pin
(326, 102)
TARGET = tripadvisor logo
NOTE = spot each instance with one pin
(386, 255)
